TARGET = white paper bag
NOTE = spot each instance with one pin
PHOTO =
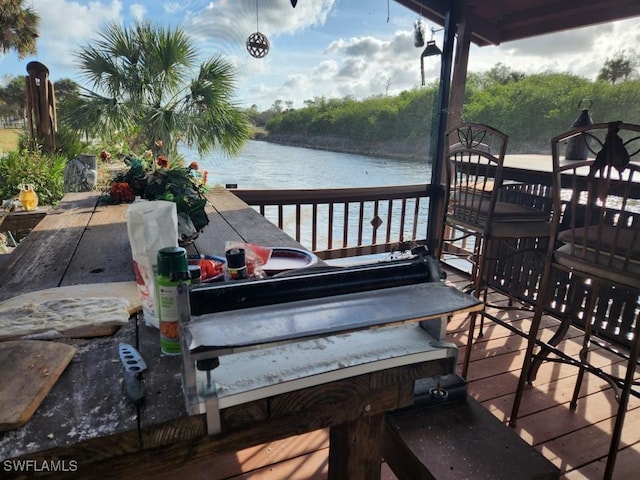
(151, 226)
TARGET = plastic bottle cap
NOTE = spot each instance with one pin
(195, 273)
(235, 258)
(171, 260)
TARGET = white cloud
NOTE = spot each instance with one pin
(172, 7)
(325, 70)
(237, 19)
(361, 47)
(138, 11)
(581, 51)
(64, 26)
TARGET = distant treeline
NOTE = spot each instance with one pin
(529, 108)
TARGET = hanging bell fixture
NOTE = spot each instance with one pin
(430, 50)
(577, 147)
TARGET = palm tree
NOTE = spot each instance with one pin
(19, 29)
(144, 80)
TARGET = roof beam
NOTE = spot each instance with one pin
(509, 20)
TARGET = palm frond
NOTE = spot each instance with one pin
(142, 76)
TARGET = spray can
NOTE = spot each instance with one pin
(173, 273)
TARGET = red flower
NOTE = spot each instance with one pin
(122, 192)
(163, 161)
(104, 155)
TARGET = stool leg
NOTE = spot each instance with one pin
(526, 363)
(488, 255)
(532, 336)
(469, 346)
(558, 336)
(477, 284)
(586, 342)
(623, 402)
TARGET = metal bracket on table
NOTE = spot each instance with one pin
(213, 414)
(189, 367)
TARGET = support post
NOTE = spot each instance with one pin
(438, 128)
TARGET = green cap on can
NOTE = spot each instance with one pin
(171, 260)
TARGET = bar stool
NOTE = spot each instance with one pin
(596, 232)
(474, 155)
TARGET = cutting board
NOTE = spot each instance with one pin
(28, 370)
(126, 290)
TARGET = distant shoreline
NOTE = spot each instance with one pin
(398, 149)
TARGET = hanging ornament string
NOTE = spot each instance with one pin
(257, 43)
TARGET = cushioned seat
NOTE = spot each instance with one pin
(609, 240)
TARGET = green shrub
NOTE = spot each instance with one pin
(68, 142)
(44, 171)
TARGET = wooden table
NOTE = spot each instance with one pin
(86, 418)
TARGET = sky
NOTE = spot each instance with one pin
(320, 48)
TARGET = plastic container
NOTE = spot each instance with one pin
(236, 264)
(172, 271)
(28, 197)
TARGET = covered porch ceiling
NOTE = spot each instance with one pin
(496, 21)
(492, 22)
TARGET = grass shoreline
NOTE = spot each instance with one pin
(9, 139)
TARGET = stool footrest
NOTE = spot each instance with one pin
(459, 439)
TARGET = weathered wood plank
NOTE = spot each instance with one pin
(176, 455)
(542, 424)
(43, 255)
(460, 439)
(22, 220)
(104, 245)
(212, 240)
(300, 457)
(249, 224)
(581, 447)
(83, 417)
(356, 448)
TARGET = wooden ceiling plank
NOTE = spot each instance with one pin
(526, 18)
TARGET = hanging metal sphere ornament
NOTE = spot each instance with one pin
(258, 45)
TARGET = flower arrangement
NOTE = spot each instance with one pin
(157, 180)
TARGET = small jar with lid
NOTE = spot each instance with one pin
(236, 264)
(195, 274)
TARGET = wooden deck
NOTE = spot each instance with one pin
(577, 442)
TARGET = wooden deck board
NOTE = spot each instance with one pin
(577, 442)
